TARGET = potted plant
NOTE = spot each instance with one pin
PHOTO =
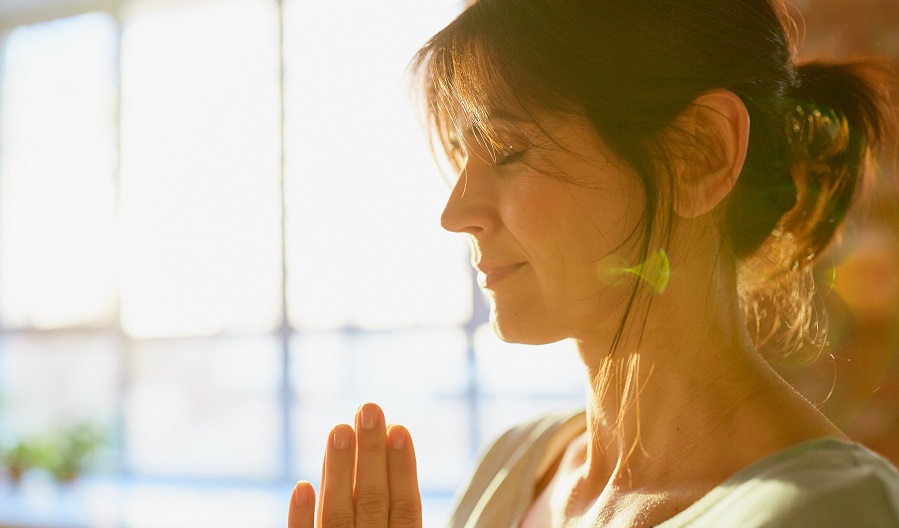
(21, 457)
(72, 451)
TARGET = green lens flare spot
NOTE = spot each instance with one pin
(612, 270)
(655, 271)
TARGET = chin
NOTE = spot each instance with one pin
(523, 330)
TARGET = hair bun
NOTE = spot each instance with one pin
(817, 134)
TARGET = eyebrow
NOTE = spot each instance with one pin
(500, 118)
(504, 115)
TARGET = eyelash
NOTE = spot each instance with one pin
(509, 156)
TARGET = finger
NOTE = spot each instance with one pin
(371, 492)
(301, 513)
(318, 507)
(405, 498)
(337, 487)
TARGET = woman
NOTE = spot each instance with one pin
(654, 181)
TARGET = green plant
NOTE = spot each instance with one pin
(22, 456)
(72, 450)
(65, 455)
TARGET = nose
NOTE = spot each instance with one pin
(469, 208)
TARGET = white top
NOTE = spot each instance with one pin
(824, 483)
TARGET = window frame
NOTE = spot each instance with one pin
(288, 399)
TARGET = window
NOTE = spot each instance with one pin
(58, 168)
(217, 242)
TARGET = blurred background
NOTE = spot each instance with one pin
(219, 236)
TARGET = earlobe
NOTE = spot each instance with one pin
(719, 135)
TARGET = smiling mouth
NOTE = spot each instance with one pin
(489, 278)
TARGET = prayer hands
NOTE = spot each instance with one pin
(368, 479)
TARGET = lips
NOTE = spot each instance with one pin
(492, 274)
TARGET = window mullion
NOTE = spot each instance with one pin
(285, 328)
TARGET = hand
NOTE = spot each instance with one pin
(368, 479)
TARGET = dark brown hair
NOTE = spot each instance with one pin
(632, 67)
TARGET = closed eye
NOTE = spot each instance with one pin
(509, 155)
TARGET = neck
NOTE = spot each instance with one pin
(648, 408)
(680, 406)
(671, 390)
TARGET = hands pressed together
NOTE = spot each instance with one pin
(369, 479)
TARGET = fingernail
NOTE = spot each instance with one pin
(341, 438)
(398, 438)
(369, 416)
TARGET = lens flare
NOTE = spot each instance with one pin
(866, 279)
(655, 270)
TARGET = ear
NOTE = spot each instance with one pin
(717, 127)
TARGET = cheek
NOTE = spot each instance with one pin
(534, 215)
(613, 219)
(559, 239)
(568, 229)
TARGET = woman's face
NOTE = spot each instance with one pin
(540, 219)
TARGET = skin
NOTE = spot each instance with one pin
(539, 221)
(368, 479)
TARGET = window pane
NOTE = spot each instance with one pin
(545, 371)
(57, 195)
(419, 379)
(375, 365)
(545, 378)
(205, 408)
(364, 196)
(200, 170)
(50, 382)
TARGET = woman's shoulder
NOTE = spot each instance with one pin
(523, 444)
(503, 479)
(823, 483)
(527, 434)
